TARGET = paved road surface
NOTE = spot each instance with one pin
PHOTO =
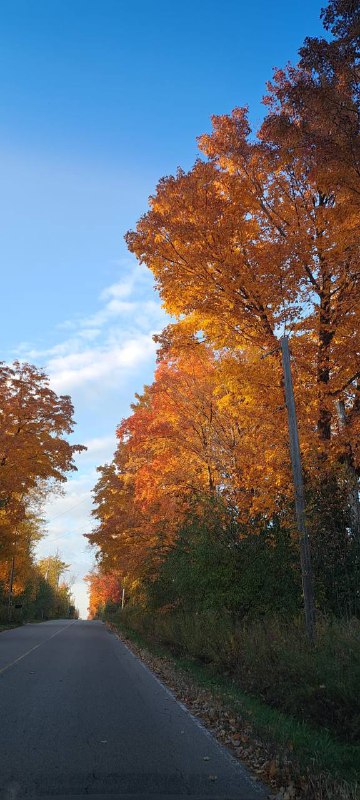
(80, 715)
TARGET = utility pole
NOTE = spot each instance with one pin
(305, 556)
(123, 597)
(11, 587)
(352, 479)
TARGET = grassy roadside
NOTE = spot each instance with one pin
(7, 626)
(296, 759)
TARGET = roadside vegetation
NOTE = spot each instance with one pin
(294, 758)
(270, 660)
(238, 608)
(35, 457)
(194, 517)
(46, 594)
(206, 609)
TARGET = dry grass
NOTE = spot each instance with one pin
(273, 660)
(298, 763)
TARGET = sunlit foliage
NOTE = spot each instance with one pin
(259, 239)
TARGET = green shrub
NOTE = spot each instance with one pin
(230, 596)
(335, 552)
(271, 659)
(216, 565)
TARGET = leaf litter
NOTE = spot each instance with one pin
(268, 762)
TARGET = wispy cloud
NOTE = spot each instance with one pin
(117, 337)
(103, 364)
(100, 448)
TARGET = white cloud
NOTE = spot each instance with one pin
(90, 333)
(102, 446)
(119, 290)
(115, 339)
(113, 308)
(99, 364)
(125, 297)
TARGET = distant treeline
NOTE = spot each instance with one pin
(45, 594)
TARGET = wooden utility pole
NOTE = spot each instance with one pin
(11, 582)
(123, 597)
(352, 478)
(305, 556)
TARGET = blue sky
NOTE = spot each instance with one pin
(99, 99)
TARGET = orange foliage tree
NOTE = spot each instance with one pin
(259, 239)
(177, 446)
(262, 237)
(103, 589)
(34, 454)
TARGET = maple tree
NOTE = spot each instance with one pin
(177, 435)
(164, 455)
(121, 531)
(29, 533)
(35, 456)
(33, 422)
(179, 447)
(104, 588)
(263, 237)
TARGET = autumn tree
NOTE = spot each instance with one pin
(259, 239)
(33, 423)
(50, 590)
(29, 533)
(262, 237)
(314, 116)
(52, 568)
(121, 532)
(177, 445)
(35, 455)
(177, 435)
(104, 589)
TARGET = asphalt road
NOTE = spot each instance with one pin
(80, 715)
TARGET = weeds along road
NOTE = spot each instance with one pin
(81, 715)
